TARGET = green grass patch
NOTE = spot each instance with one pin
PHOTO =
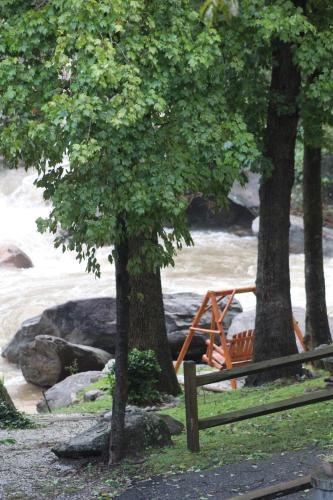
(251, 439)
(248, 440)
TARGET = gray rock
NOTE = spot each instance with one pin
(142, 430)
(12, 256)
(175, 426)
(246, 321)
(179, 319)
(201, 214)
(65, 392)
(89, 322)
(296, 235)
(48, 360)
(248, 195)
(92, 322)
(108, 366)
(243, 207)
(93, 395)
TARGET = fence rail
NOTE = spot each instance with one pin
(192, 381)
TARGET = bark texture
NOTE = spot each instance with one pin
(274, 331)
(147, 322)
(316, 321)
(121, 353)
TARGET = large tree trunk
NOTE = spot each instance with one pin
(316, 321)
(5, 397)
(147, 321)
(274, 330)
(121, 348)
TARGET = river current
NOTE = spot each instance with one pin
(217, 260)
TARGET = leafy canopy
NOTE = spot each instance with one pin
(133, 93)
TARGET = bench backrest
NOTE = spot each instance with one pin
(241, 346)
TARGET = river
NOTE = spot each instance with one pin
(217, 260)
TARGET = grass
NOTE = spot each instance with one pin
(248, 440)
(292, 430)
(251, 439)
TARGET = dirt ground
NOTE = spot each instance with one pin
(29, 470)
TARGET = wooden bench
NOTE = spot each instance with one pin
(240, 348)
(232, 352)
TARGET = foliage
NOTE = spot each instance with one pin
(133, 93)
(73, 368)
(143, 372)
(11, 418)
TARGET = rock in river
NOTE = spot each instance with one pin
(48, 360)
(296, 236)
(12, 256)
(92, 322)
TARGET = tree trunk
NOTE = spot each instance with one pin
(121, 353)
(5, 397)
(147, 322)
(274, 330)
(316, 321)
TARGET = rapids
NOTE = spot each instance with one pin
(217, 260)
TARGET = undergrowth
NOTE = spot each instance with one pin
(11, 418)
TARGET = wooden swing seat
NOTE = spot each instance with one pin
(240, 348)
(234, 351)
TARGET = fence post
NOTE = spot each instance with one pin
(191, 406)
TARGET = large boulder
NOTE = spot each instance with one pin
(246, 320)
(178, 321)
(64, 393)
(242, 208)
(142, 430)
(12, 256)
(89, 322)
(201, 214)
(48, 360)
(296, 236)
(93, 322)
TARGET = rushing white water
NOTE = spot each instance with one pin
(217, 260)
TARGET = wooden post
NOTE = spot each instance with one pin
(191, 405)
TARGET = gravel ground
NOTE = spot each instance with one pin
(29, 470)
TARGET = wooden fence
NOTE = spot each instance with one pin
(192, 381)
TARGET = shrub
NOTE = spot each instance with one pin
(143, 373)
(11, 418)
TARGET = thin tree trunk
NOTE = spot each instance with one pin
(316, 321)
(4, 396)
(274, 331)
(121, 348)
(147, 321)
